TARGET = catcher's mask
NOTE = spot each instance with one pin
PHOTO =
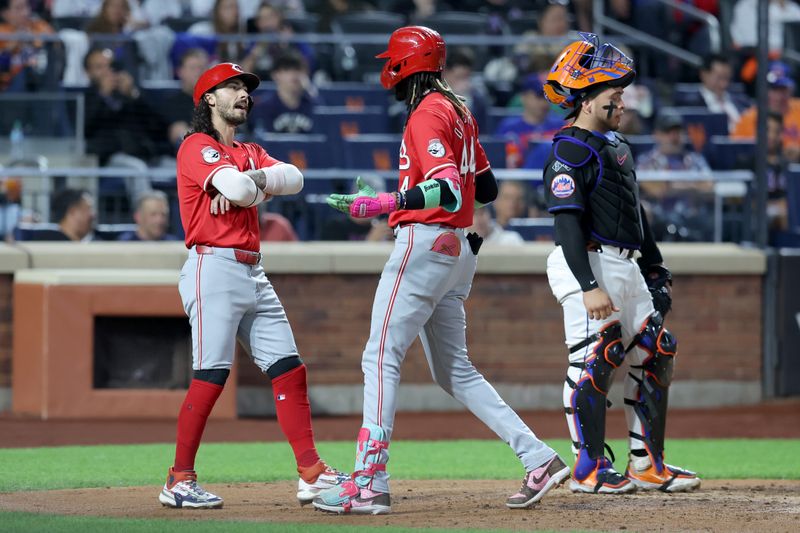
(412, 49)
(585, 66)
(221, 73)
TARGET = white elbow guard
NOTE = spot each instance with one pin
(283, 179)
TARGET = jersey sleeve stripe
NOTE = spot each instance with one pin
(485, 169)
(440, 167)
(211, 174)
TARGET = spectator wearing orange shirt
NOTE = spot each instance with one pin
(779, 100)
(22, 63)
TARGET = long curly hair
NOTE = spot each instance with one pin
(421, 83)
(201, 121)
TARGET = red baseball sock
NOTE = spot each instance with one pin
(200, 399)
(294, 414)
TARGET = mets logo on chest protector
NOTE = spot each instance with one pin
(563, 186)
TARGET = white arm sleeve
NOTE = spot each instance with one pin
(237, 187)
(283, 179)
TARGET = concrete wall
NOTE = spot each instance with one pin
(515, 331)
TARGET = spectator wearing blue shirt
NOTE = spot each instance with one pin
(151, 217)
(291, 108)
(537, 121)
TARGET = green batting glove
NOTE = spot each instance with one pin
(341, 202)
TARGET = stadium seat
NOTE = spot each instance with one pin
(354, 96)
(355, 62)
(525, 22)
(640, 144)
(724, 153)
(303, 151)
(305, 23)
(495, 148)
(378, 152)
(337, 122)
(700, 124)
(464, 23)
(496, 115)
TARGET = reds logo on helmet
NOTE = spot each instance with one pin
(412, 49)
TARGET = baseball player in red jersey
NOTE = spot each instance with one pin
(443, 175)
(223, 287)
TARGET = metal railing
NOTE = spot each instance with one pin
(727, 185)
(602, 21)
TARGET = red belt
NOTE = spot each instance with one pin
(243, 256)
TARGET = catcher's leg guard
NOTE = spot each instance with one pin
(588, 381)
(647, 389)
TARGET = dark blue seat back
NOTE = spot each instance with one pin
(379, 152)
(339, 122)
(303, 151)
(354, 96)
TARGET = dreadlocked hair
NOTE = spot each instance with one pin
(201, 121)
(421, 83)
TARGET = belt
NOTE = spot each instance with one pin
(243, 256)
(593, 246)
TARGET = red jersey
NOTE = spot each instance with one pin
(436, 138)
(199, 158)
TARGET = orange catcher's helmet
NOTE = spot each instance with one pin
(412, 49)
(223, 72)
(584, 65)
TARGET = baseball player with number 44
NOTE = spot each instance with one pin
(444, 173)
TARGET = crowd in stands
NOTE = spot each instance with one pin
(136, 62)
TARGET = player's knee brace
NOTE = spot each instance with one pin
(283, 366)
(653, 381)
(217, 376)
(588, 400)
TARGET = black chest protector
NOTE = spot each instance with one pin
(612, 194)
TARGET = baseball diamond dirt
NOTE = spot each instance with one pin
(724, 506)
(720, 505)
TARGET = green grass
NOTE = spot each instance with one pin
(28, 522)
(134, 465)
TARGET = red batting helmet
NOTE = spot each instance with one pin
(220, 73)
(412, 49)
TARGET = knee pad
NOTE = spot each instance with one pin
(369, 454)
(283, 366)
(661, 347)
(588, 402)
(217, 376)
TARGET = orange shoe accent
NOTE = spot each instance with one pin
(174, 477)
(309, 474)
(671, 479)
